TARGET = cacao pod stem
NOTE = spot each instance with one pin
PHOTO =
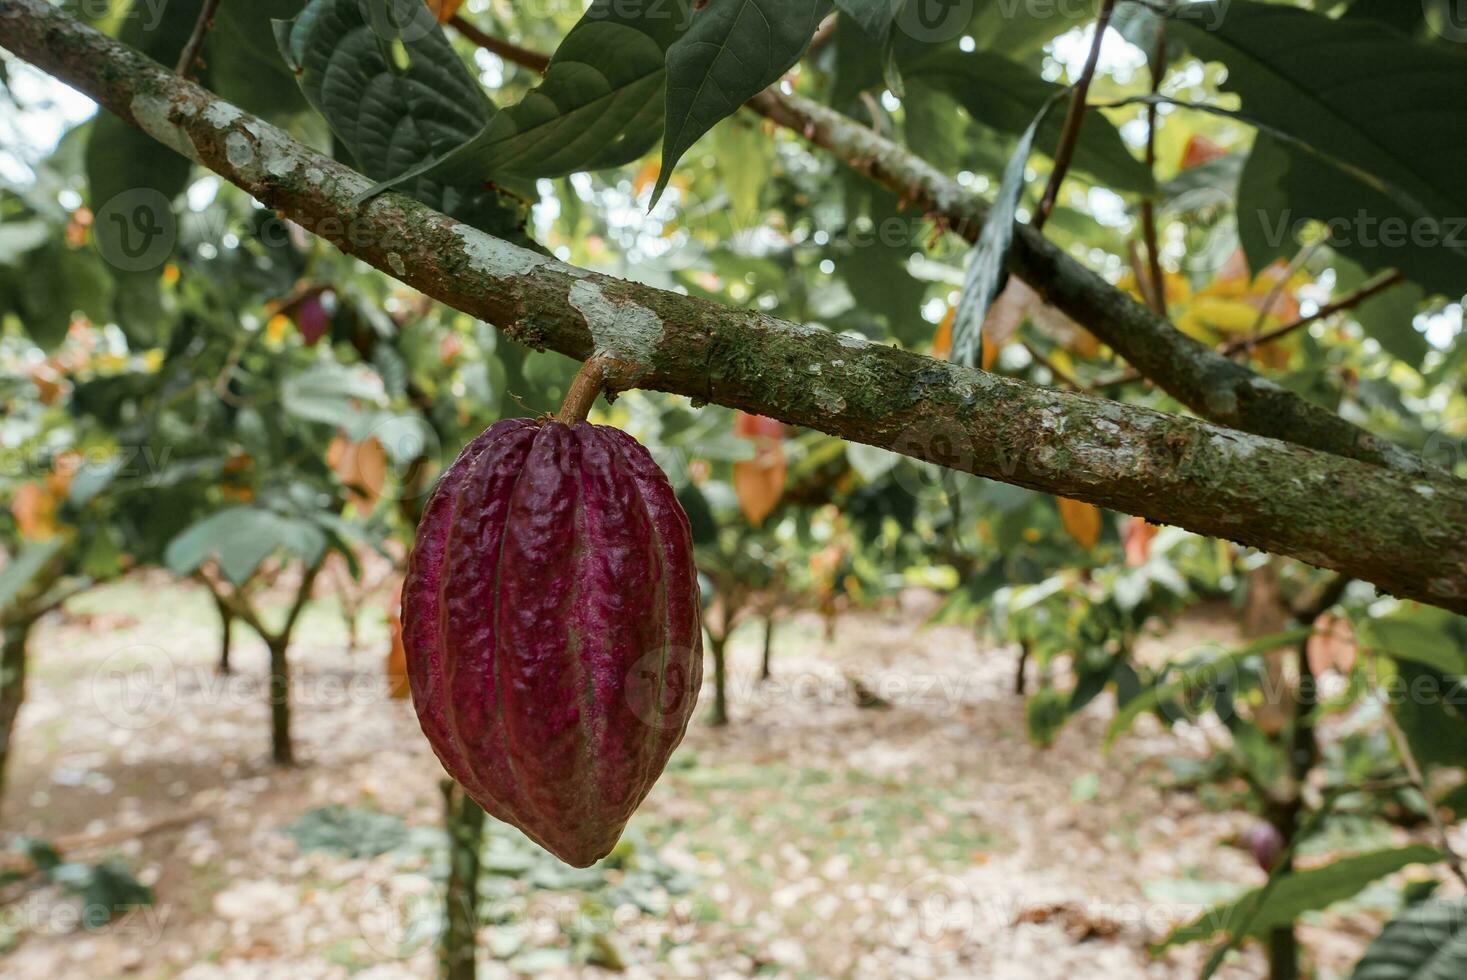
(598, 373)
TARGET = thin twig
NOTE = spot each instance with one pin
(1279, 288)
(1368, 291)
(1061, 376)
(195, 45)
(1070, 135)
(1418, 781)
(1156, 296)
(513, 53)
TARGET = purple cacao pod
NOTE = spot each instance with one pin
(553, 631)
(312, 320)
(1266, 844)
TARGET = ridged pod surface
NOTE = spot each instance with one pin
(552, 623)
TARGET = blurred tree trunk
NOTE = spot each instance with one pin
(226, 634)
(281, 749)
(458, 948)
(1025, 649)
(12, 686)
(718, 646)
(765, 671)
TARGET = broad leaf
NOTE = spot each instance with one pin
(1388, 317)
(599, 106)
(874, 16)
(25, 567)
(734, 50)
(1300, 892)
(1208, 674)
(244, 63)
(1408, 135)
(1421, 634)
(1425, 942)
(394, 118)
(1006, 97)
(240, 538)
(985, 275)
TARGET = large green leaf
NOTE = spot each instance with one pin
(733, 50)
(240, 538)
(1320, 80)
(244, 62)
(25, 567)
(874, 16)
(1424, 635)
(1426, 942)
(599, 106)
(1389, 317)
(1208, 674)
(1006, 97)
(394, 118)
(1300, 892)
(985, 273)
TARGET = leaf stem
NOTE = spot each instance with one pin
(1070, 135)
(191, 51)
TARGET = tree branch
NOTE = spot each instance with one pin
(513, 53)
(1408, 535)
(1370, 290)
(1203, 380)
(1188, 370)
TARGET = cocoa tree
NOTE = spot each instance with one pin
(1276, 495)
(1309, 450)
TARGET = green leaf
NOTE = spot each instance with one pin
(398, 98)
(599, 106)
(734, 50)
(353, 832)
(1407, 135)
(244, 61)
(1300, 892)
(107, 890)
(985, 274)
(1425, 635)
(332, 394)
(1206, 674)
(239, 539)
(1426, 942)
(1388, 317)
(1006, 97)
(24, 567)
(874, 16)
